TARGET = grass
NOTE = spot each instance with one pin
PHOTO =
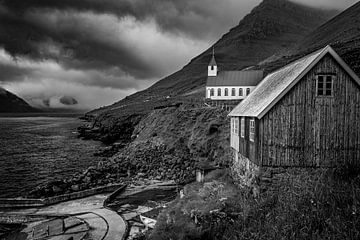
(320, 205)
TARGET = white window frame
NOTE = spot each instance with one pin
(252, 130)
(236, 126)
(325, 89)
(242, 127)
(232, 125)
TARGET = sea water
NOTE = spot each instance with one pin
(35, 150)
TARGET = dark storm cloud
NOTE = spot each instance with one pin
(26, 35)
(108, 48)
(170, 15)
(27, 25)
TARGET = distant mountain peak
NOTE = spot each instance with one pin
(272, 26)
(274, 17)
(2, 91)
(342, 32)
(10, 103)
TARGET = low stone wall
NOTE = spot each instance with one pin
(227, 105)
(20, 219)
(26, 203)
(112, 196)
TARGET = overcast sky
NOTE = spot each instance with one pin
(99, 51)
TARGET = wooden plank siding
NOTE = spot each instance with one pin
(303, 130)
(247, 148)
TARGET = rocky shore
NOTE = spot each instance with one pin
(166, 144)
(151, 161)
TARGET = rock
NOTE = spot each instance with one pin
(87, 179)
(56, 189)
(75, 188)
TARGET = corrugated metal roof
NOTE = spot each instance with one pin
(236, 78)
(278, 83)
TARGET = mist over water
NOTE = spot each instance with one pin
(40, 149)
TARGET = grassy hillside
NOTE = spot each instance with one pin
(342, 33)
(318, 204)
(270, 27)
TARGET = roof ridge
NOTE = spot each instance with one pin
(276, 84)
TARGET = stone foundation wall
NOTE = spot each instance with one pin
(261, 179)
(243, 171)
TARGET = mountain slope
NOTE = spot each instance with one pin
(269, 28)
(342, 33)
(10, 103)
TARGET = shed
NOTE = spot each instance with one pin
(306, 114)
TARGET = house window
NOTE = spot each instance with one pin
(212, 68)
(247, 91)
(252, 130)
(240, 92)
(242, 130)
(212, 92)
(233, 92)
(235, 126)
(219, 91)
(324, 85)
(226, 92)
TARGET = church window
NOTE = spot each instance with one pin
(219, 92)
(233, 92)
(226, 92)
(212, 92)
(247, 91)
(240, 92)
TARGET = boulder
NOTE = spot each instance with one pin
(75, 188)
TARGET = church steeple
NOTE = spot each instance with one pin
(212, 68)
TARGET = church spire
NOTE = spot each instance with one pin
(212, 67)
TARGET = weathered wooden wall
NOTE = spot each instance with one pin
(246, 147)
(303, 130)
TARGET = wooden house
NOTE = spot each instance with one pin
(306, 114)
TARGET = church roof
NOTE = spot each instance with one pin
(274, 87)
(212, 62)
(236, 78)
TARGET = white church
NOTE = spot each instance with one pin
(230, 85)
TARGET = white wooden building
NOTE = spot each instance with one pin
(230, 85)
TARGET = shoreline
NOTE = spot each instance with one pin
(41, 114)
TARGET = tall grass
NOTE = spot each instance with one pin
(320, 204)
